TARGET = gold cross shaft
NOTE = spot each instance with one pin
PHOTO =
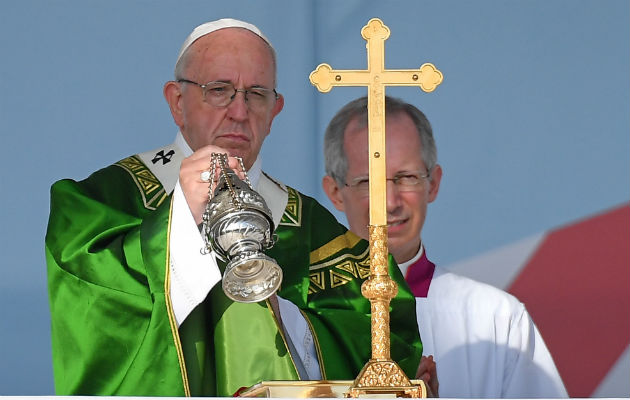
(380, 375)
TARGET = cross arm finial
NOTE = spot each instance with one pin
(322, 78)
(375, 29)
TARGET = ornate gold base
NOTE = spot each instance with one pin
(400, 391)
(384, 377)
(298, 389)
(320, 389)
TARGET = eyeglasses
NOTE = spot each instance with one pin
(221, 94)
(405, 182)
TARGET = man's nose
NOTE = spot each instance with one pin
(394, 200)
(237, 109)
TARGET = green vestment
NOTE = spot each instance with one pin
(113, 329)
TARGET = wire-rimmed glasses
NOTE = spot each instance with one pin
(221, 94)
(408, 181)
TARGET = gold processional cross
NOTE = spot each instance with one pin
(380, 374)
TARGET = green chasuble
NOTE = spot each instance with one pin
(113, 327)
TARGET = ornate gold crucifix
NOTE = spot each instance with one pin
(380, 374)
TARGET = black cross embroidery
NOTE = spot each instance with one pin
(166, 158)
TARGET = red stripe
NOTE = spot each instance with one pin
(576, 287)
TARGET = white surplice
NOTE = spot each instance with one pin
(483, 341)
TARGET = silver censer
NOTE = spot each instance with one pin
(238, 226)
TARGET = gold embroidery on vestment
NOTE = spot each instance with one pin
(346, 241)
(357, 266)
(363, 267)
(348, 266)
(292, 215)
(317, 282)
(337, 279)
(151, 190)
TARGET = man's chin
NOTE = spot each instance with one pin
(403, 250)
(402, 237)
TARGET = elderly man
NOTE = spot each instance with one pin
(134, 303)
(483, 341)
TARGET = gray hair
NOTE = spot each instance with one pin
(334, 151)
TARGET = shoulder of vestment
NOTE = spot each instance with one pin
(128, 185)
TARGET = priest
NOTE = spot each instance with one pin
(483, 341)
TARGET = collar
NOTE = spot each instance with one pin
(182, 144)
(418, 273)
(405, 265)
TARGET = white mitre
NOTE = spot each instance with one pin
(212, 26)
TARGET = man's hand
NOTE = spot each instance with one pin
(194, 188)
(428, 373)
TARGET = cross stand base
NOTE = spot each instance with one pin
(384, 377)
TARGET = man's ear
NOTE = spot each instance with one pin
(436, 178)
(173, 96)
(277, 107)
(333, 192)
